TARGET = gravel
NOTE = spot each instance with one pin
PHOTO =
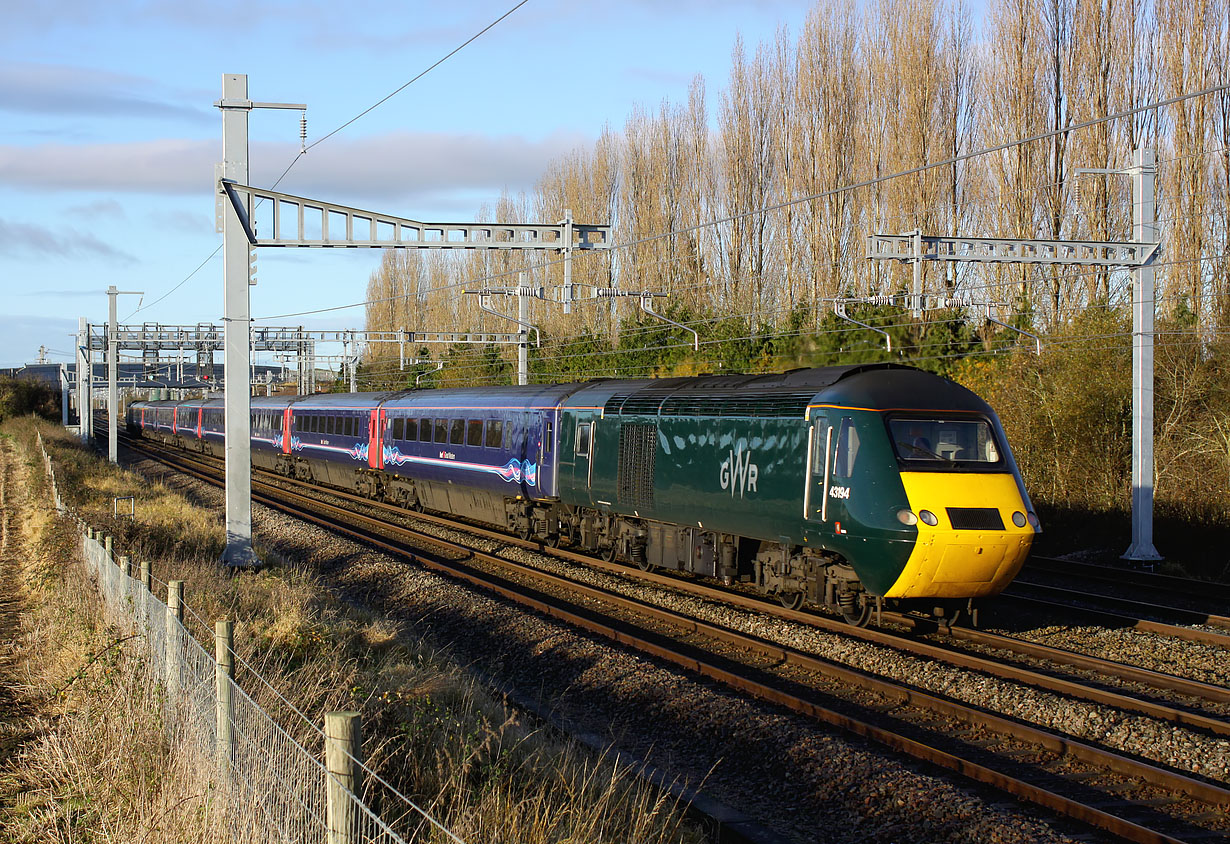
(806, 782)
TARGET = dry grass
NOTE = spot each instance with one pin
(96, 766)
(102, 772)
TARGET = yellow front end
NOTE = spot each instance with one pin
(951, 563)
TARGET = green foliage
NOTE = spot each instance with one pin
(19, 397)
(1067, 412)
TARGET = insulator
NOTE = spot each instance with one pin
(303, 131)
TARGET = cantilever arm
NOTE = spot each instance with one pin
(839, 309)
(647, 307)
(1037, 340)
(484, 298)
(422, 375)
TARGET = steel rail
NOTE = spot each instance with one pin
(1109, 668)
(1115, 619)
(1132, 605)
(653, 644)
(1121, 575)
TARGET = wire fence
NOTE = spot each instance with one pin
(272, 787)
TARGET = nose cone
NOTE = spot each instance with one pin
(973, 549)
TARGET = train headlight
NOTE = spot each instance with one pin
(1018, 519)
(928, 518)
(907, 517)
(1034, 522)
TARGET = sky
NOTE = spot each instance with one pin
(109, 134)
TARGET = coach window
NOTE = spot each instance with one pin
(583, 431)
(412, 429)
(399, 429)
(474, 432)
(495, 433)
(424, 430)
(353, 425)
(457, 433)
(441, 426)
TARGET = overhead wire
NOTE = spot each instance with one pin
(656, 328)
(820, 195)
(349, 122)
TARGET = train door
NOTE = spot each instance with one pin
(835, 471)
(375, 457)
(583, 451)
(537, 464)
(200, 417)
(547, 463)
(287, 420)
(819, 465)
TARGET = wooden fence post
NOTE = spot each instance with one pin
(107, 548)
(343, 747)
(146, 576)
(126, 564)
(175, 617)
(224, 672)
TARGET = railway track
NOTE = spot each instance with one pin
(1127, 796)
(1113, 597)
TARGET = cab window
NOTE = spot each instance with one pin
(944, 442)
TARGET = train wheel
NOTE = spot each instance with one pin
(791, 600)
(855, 609)
(609, 553)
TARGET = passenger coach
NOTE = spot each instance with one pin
(846, 486)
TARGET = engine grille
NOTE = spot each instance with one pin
(975, 518)
(638, 449)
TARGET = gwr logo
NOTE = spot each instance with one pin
(738, 472)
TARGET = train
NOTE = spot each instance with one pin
(856, 488)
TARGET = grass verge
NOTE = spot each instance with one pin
(100, 771)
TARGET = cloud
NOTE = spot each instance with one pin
(48, 89)
(181, 221)
(24, 239)
(412, 167)
(173, 166)
(402, 167)
(21, 335)
(103, 209)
